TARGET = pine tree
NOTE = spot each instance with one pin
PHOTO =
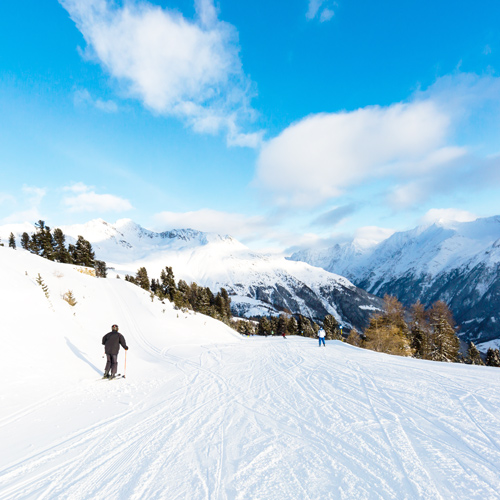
(167, 282)
(227, 303)
(12, 241)
(142, 279)
(44, 240)
(331, 328)
(34, 245)
(382, 336)
(493, 357)
(446, 345)
(473, 355)
(100, 269)
(293, 327)
(264, 327)
(305, 327)
(184, 294)
(130, 279)
(25, 240)
(221, 306)
(282, 326)
(354, 338)
(388, 332)
(82, 253)
(273, 322)
(180, 300)
(202, 304)
(421, 334)
(193, 295)
(61, 254)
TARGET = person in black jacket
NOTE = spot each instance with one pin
(111, 342)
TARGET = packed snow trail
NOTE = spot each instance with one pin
(266, 418)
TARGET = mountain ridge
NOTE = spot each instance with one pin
(458, 262)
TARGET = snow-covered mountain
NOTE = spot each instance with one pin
(258, 284)
(458, 262)
(205, 413)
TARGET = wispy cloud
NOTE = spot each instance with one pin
(85, 199)
(83, 98)
(335, 216)
(320, 8)
(189, 69)
(30, 201)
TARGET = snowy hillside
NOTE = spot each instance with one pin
(259, 284)
(206, 414)
(458, 262)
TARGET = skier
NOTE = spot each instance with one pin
(321, 336)
(111, 342)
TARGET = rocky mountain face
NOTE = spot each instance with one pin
(259, 284)
(458, 262)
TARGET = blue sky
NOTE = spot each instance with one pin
(285, 124)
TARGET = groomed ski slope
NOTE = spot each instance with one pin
(206, 414)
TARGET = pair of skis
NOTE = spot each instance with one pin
(117, 376)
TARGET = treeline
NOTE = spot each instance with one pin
(51, 245)
(287, 324)
(194, 297)
(418, 332)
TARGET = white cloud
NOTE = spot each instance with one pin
(447, 214)
(174, 66)
(87, 200)
(322, 155)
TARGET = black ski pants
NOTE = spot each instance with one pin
(112, 363)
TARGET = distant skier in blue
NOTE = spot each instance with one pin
(321, 336)
(111, 342)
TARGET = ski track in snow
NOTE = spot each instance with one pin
(273, 418)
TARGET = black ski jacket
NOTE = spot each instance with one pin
(112, 341)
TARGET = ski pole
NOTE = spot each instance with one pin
(125, 365)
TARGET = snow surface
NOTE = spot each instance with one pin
(204, 413)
